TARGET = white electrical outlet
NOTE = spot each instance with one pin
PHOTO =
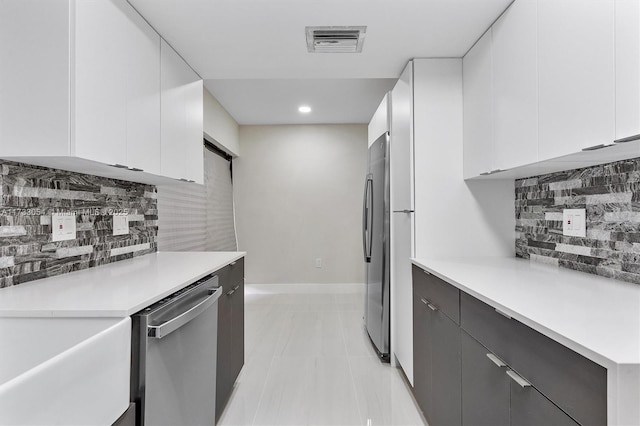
(319, 262)
(120, 224)
(63, 226)
(574, 222)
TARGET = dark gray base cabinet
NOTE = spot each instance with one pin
(491, 398)
(436, 338)
(485, 387)
(230, 332)
(474, 366)
(574, 383)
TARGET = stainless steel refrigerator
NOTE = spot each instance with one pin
(376, 245)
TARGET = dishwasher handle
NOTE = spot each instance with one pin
(168, 327)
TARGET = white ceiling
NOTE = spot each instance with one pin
(276, 101)
(252, 53)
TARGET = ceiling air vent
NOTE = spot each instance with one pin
(335, 39)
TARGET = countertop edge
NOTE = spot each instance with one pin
(585, 351)
(124, 311)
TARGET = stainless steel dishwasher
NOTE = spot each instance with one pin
(173, 372)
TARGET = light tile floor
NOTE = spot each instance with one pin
(308, 361)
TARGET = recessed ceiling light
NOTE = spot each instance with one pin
(304, 109)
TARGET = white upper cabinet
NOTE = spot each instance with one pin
(379, 122)
(553, 77)
(100, 82)
(182, 118)
(117, 86)
(477, 72)
(401, 143)
(515, 86)
(627, 54)
(34, 78)
(143, 94)
(80, 86)
(576, 83)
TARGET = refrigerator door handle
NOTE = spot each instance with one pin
(370, 218)
(366, 224)
(364, 218)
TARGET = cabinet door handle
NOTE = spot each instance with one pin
(424, 301)
(628, 139)
(230, 292)
(233, 263)
(518, 379)
(426, 272)
(491, 172)
(432, 307)
(503, 313)
(236, 287)
(596, 147)
(497, 361)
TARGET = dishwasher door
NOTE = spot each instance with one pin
(177, 359)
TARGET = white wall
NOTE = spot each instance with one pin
(219, 126)
(453, 217)
(298, 193)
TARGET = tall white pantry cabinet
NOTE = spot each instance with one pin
(81, 89)
(451, 217)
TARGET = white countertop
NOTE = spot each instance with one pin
(595, 316)
(115, 290)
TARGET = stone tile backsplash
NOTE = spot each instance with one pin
(30, 194)
(610, 193)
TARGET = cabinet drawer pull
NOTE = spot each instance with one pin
(497, 361)
(503, 314)
(233, 263)
(426, 272)
(432, 307)
(518, 379)
(424, 301)
(628, 139)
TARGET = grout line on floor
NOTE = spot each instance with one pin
(266, 380)
(353, 380)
